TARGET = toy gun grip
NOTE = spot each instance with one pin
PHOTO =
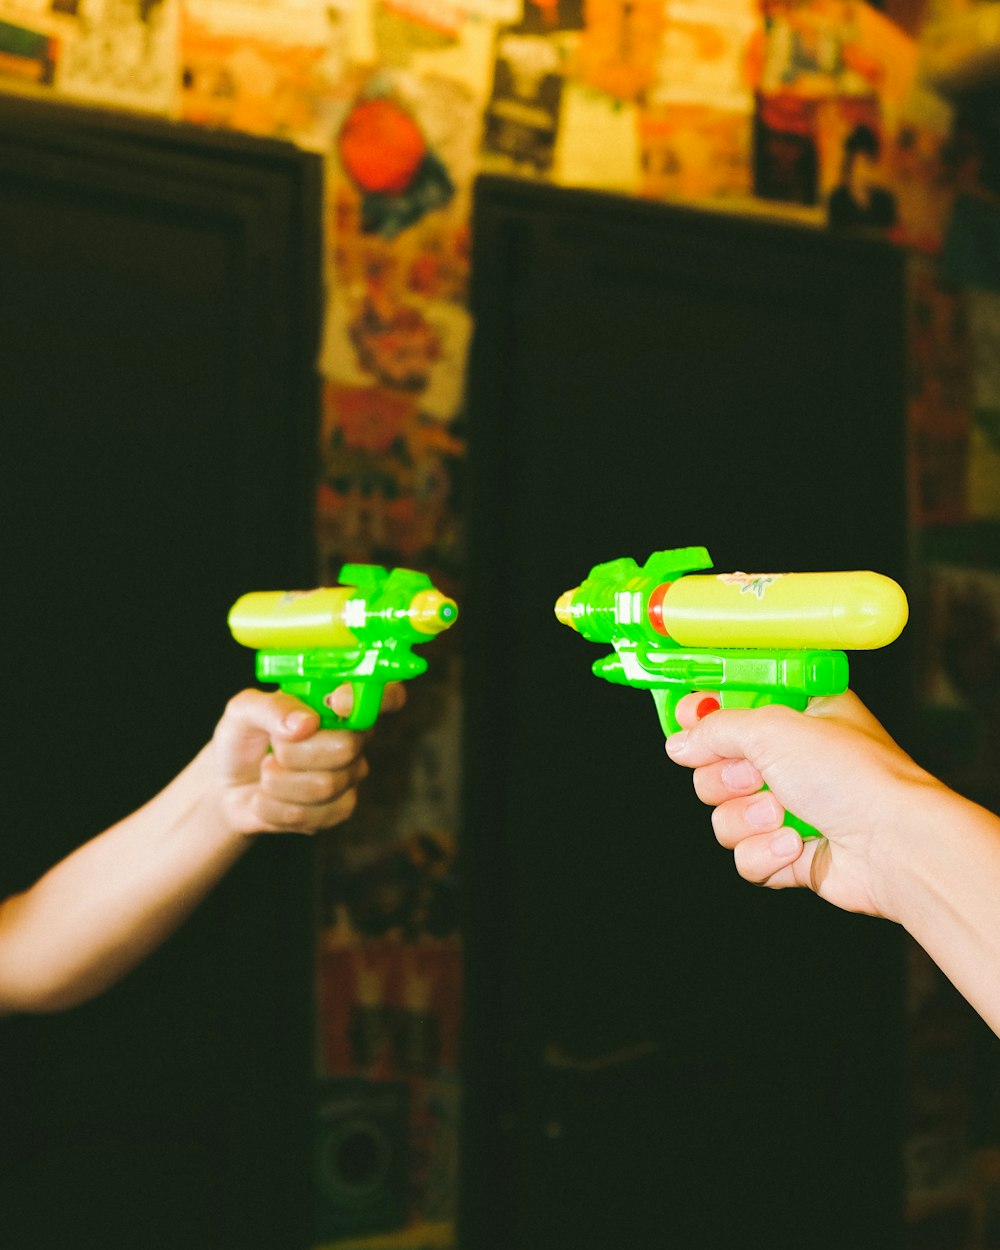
(666, 701)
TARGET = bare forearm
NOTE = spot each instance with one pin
(268, 769)
(946, 892)
(107, 906)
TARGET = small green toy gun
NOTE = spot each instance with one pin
(359, 633)
(753, 638)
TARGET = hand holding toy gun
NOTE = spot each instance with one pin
(674, 632)
(359, 632)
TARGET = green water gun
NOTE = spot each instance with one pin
(754, 639)
(359, 633)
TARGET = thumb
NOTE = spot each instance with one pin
(253, 720)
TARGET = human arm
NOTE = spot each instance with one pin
(104, 908)
(898, 843)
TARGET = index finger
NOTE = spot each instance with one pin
(695, 707)
(341, 700)
(735, 734)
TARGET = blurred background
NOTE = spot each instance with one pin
(499, 290)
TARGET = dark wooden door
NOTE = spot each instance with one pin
(659, 1054)
(158, 325)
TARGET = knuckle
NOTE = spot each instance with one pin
(331, 749)
(262, 808)
(337, 812)
(722, 827)
(280, 814)
(773, 718)
(748, 862)
(239, 704)
(702, 781)
(235, 702)
(295, 816)
(328, 786)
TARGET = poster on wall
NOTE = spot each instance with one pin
(855, 174)
(708, 55)
(696, 152)
(618, 51)
(33, 34)
(598, 142)
(124, 53)
(522, 115)
(785, 149)
(250, 66)
(390, 1005)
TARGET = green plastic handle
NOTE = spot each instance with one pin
(666, 701)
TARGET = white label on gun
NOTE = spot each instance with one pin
(628, 607)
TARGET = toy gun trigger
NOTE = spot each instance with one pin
(367, 702)
(666, 699)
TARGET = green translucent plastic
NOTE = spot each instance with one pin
(644, 659)
(384, 635)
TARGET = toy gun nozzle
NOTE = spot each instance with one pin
(432, 612)
(564, 607)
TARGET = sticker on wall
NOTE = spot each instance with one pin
(708, 55)
(786, 162)
(598, 142)
(695, 152)
(884, 56)
(394, 341)
(404, 28)
(619, 49)
(494, 11)
(855, 175)
(364, 469)
(919, 180)
(27, 55)
(387, 488)
(254, 83)
(442, 397)
(382, 329)
(385, 153)
(467, 61)
(546, 17)
(390, 1009)
(124, 52)
(522, 117)
(302, 22)
(806, 50)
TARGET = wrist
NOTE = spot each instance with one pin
(201, 803)
(918, 844)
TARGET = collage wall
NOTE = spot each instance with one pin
(810, 110)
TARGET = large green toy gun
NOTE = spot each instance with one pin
(358, 633)
(752, 638)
